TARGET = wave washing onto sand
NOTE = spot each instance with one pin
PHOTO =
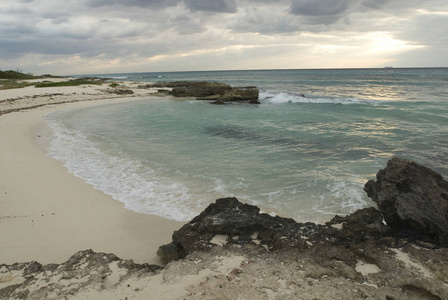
(133, 183)
(153, 188)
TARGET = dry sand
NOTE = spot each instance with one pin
(46, 213)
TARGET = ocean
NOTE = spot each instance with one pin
(307, 158)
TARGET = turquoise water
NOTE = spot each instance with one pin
(305, 158)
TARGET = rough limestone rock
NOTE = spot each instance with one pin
(412, 197)
(121, 91)
(360, 271)
(85, 269)
(200, 89)
(249, 94)
(233, 223)
(236, 222)
(221, 93)
(356, 257)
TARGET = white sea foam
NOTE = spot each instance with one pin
(129, 181)
(342, 197)
(280, 98)
(350, 192)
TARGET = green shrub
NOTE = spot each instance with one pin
(7, 84)
(75, 82)
(15, 75)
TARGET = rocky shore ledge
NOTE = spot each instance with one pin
(221, 93)
(232, 251)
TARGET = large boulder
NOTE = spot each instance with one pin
(412, 197)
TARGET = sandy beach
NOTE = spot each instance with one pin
(47, 214)
(49, 219)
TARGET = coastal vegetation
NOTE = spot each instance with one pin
(74, 82)
(19, 75)
(15, 75)
(14, 79)
(6, 84)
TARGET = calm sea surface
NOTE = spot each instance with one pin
(305, 158)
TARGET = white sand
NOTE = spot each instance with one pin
(31, 96)
(48, 214)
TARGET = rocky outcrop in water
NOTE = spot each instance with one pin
(412, 198)
(221, 93)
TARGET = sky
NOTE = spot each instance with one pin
(117, 36)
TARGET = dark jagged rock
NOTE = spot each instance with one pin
(121, 91)
(412, 197)
(242, 224)
(239, 95)
(360, 226)
(358, 248)
(363, 220)
(202, 90)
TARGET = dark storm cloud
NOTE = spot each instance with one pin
(18, 47)
(264, 21)
(375, 4)
(187, 25)
(15, 31)
(315, 8)
(138, 3)
(219, 6)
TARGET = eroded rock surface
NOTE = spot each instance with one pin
(219, 92)
(358, 253)
(85, 269)
(242, 224)
(412, 197)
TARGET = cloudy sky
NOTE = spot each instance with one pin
(106, 36)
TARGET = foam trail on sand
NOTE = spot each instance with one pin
(131, 182)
